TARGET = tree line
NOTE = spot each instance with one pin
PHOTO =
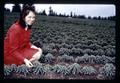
(17, 8)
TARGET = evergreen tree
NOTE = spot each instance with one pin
(99, 18)
(89, 17)
(71, 14)
(6, 10)
(50, 11)
(43, 13)
(75, 16)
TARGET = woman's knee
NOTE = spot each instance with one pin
(38, 54)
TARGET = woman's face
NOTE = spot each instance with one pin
(30, 18)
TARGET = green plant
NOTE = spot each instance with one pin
(63, 51)
(99, 60)
(87, 51)
(7, 70)
(46, 49)
(85, 57)
(79, 59)
(76, 51)
(22, 69)
(59, 69)
(48, 68)
(95, 46)
(88, 70)
(100, 52)
(49, 58)
(38, 69)
(110, 52)
(36, 63)
(108, 70)
(103, 59)
(74, 68)
(67, 58)
(91, 59)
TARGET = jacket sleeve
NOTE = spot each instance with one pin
(14, 44)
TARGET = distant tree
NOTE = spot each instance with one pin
(60, 15)
(89, 17)
(43, 13)
(16, 8)
(111, 17)
(95, 18)
(55, 14)
(74, 16)
(71, 14)
(65, 15)
(99, 18)
(82, 16)
(50, 11)
(105, 18)
(6, 10)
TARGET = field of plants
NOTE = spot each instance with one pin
(72, 49)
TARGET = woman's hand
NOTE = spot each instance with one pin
(28, 63)
(33, 46)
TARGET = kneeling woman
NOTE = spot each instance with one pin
(17, 47)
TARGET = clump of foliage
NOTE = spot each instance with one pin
(91, 59)
(110, 52)
(107, 59)
(100, 52)
(46, 49)
(99, 60)
(48, 68)
(79, 59)
(23, 69)
(76, 51)
(108, 70)
(74, 68)
(60, 69)
(88, 70)
(85, 58)
(66, 58)
(36, 63)
(49, 58)
(63, 51)
(104, 59)
(13, 67)
(95, 46)
(7, 70)
(38, 69)
(87, 51)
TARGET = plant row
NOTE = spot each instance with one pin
(88, 59)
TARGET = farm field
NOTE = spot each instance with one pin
(72, 49)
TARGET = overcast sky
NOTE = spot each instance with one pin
(103, 10)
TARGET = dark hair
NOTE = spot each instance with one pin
(25, 11)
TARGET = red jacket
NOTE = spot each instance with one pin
(17, 45)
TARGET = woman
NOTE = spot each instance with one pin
(17, 47)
